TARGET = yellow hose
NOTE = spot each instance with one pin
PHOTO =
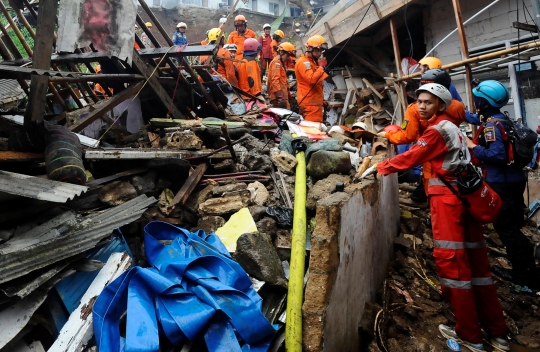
(295, 296)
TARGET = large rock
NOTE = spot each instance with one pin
(183, 140)
(258, 256)
(259, 193)
(284, 161)
(220, 190)
(210, 224)
(255, 161)
(253, 143)
(268, 226)
(324, 163)
(145, 183)
(323, 188)
(223, 205)
(117, 193)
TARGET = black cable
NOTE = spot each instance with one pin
(411, 50)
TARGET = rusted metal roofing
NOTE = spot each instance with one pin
(26, 72)
(38, 188)
(64, 236)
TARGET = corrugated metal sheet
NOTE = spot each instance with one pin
(57, 240)
(38, 188)
(27, 72)
(10, 89)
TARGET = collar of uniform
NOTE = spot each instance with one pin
(437, 118)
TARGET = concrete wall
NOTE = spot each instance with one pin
(351, 249)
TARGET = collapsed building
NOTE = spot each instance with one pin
(168, 149)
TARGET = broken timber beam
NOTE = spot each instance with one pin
(158, 89)
(105, 107)
(43, 46)
(188, 187)
(366, 63)
(375, 91)
(99, 78)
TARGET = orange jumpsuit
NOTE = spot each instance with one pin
(278, 85)
(203, 59)
(100, 92)
(226, 67)
(249, 76)
(413, 127)
(235, 38)
(310, 96)
(274, 45)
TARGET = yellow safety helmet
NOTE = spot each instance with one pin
(279, 33)
(286, 47)
(317, 41)
(148, 24)
(214, 34)
(431, 62)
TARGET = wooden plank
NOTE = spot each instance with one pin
(76, 333)
(21, 156)
(329, 32)
(368, 64)
(183, 194)
(465, 55)
(373, 89)
(353, 84)
(395, 44)
(345, 107)
(43, 47)
(158, 89)
(108, 105)
(128, 154)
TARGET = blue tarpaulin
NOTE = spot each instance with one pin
(193, 289)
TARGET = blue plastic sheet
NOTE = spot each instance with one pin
(194, 289)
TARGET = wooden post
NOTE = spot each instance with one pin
(43, 47)
(397, 57)
(465, 56)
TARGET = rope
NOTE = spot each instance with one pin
(136, 95)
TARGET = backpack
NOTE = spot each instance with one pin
(521, 141)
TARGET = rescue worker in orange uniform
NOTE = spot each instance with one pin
(266, 54)
(278, 84)
(223, 66)
(309, 78)
(240, 35)
(413, 126)
(249, 71)
(99, 91)
(459, 248)
(276, 39)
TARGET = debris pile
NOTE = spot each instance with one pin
(410, 306)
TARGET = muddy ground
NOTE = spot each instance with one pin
(413, 305)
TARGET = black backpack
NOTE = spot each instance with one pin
(521, 141)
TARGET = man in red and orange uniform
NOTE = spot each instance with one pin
(309, 78)
(249, 71)
(266, 55)
(278, 84)
(224, 67)
(413, 126)
(460, 250)
(240, 35)
(99, 91)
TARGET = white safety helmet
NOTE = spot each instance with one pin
(360, 125)
(437, 90)
(181, 24)
(222, 20)
(266, 25)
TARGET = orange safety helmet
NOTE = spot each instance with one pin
(317, 41)
(239, 20)
(431, 62)
(286, 47)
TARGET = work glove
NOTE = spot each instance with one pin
(372, 170)
(381, 134)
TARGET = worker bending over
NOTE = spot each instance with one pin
(223, 66)
(459, 248)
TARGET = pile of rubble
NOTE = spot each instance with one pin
(410, 307)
